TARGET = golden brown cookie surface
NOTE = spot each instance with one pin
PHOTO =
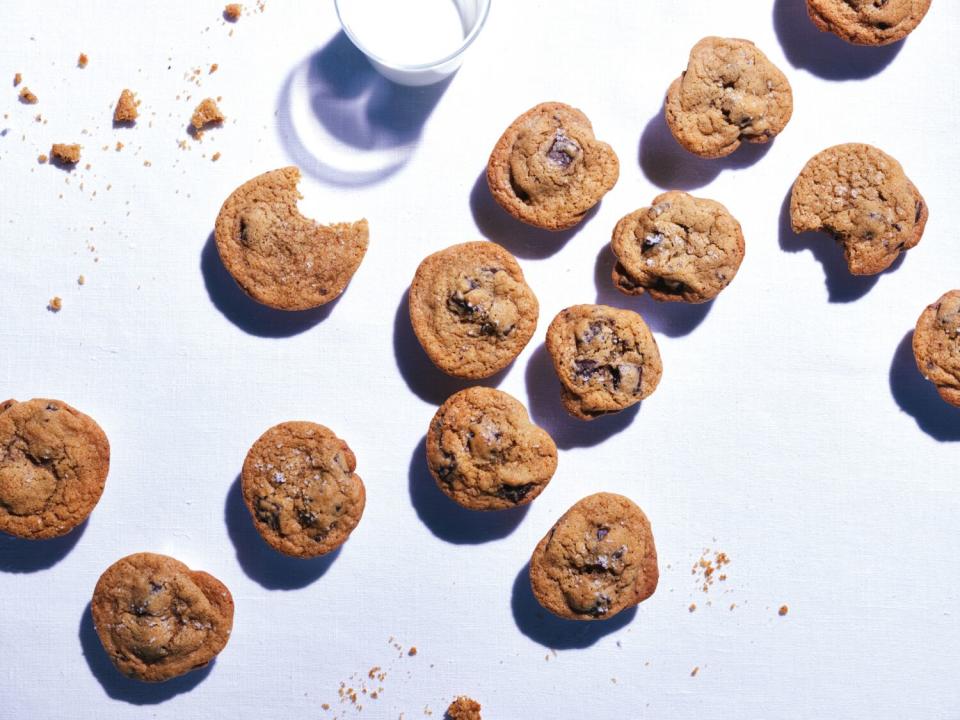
(463, 708)
(868, 22)
(936, 346)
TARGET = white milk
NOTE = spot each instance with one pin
(407, 32)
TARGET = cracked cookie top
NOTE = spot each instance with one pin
(158, 619)
(597, 560)
(53, 466)
(860, 196)
(471, 309)
(730, 92)
(548, 169)
(681, 248)
(299, 484)
(868, 22)
(606, 358)
(484, 452)
(279, 257)
(936, 346)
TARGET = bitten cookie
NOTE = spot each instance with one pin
(598, 559)
(299, 484)
(158, 619)
(471, 309)
(484, 452)
(730, 92)
(682, 248)
(936, 346)
(606, 359)
(548, 169)
(868, 22)
(53, 466)
(860, 196)
(279, 257)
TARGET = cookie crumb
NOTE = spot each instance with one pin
(214, 68)
(42, 158)
(693, 607)
(17, 79)
(126, 108)
(27, 97)
(206, 113)
(693, 673)
(119, 146)
(147, 163)
(216, 156)
(81, 280)
(82, 60)
(68, 154)
(783, 610)
(412, 651)
(232, 12)
(55, 304)
(463, 708)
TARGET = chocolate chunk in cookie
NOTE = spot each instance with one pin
(53, 466)
(299, 484)
(868, 22)
(471, 309)
(279, 257)
(936, 346)
(681, 248)
(606, 359)
(548, 169)
(730, 92)
(158, 619)
(860, 196)
(598, 559)
(484, 452)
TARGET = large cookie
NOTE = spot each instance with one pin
(730, 92)
(158, 619)
(936, 346)
(606, 359)
(471, 309)
(868, 22)
(53, 466)
(860, 196)
(299, 484)
(681, 248)
(548, 169)
(279, 257)
(598, 559)
(484, 452)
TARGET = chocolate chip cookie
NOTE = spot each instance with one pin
(158, 619)
(860, 196)
(606, 359)
(299, 484)
(484, 452)
(730, 92)
(868, 22)
(463, 708)
(53, 466)
(598, 559)
(681, 248)
(936, 346)
(548, 169)
(279, 257)
(471, 309)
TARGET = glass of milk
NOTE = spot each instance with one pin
(413, 42)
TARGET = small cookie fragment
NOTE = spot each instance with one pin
(862, 197)
(485, 453)
(471, 309)
(17, 79)
(606, 358)
(54, 462)
(936, 346)
(27, 97)
(42, 158)
(299, 484)
(158, 619)
(279, 257)
(65, 153)
(232, 12)
(868, 22)
(682, 248)
(82, 60)
(55, 305)
(598, 559)
(126, 108)
(206, 113)
(463, 708)
(548, 169)
(730, 92)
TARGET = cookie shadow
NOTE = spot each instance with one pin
(673, 319)
(418, 371)
(542, 626)
(18, 555)
(543, 391)
(918, 397)
(525, 241)
(260, 562)
(119, 686)
(667, 165)
(246, 313)
(446, 519)
(823, 53)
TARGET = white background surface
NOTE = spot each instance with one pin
(790, 431)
